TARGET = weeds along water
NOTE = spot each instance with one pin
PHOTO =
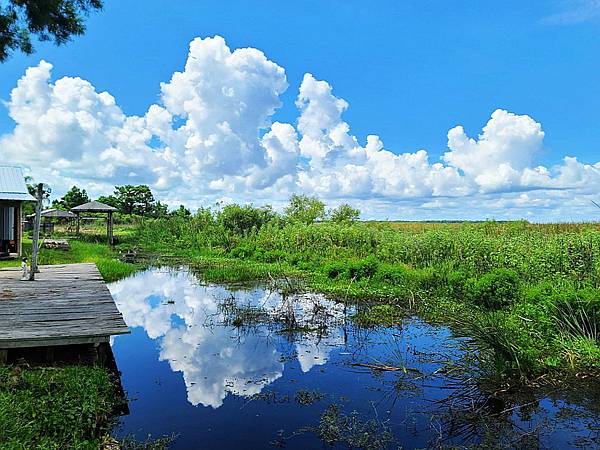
(528, 294)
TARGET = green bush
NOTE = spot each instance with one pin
(459, 284)
(393, 274)
(335, 270)
(243, 220)
(362, 269)
(496, 289)
(244, 251)
(272, 256)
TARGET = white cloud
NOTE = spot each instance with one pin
(575, 11)
(212, 137)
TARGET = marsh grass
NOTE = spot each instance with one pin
(245, 315)
(55, 408)
(486, 280)
(217, 269)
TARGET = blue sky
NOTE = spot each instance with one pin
(410, 71)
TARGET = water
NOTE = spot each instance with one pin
(224, 367)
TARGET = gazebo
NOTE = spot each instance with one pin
(48, 227)
(97, 207)
(56, 214)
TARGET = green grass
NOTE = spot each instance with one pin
(219, 269)
(528, 295)
(66, 407)
(49, 408)
(81, 252)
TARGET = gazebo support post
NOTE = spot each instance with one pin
(77, 226)
(109, 228)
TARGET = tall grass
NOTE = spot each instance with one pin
(511, 278)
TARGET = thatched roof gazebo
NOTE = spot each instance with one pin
(97, 207)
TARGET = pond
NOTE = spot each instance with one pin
(247, 367)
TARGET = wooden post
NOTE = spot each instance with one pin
(3, 356)
(77, 227)
(36, 231)
(109, 228)
(50, 355)
(18, 229)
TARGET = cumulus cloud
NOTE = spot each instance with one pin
(212, 136)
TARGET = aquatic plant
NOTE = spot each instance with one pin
(304, 397)
(336, 428)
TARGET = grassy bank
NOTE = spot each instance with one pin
(67, 407)
(528, 294)
(92, 249)
(51, 408)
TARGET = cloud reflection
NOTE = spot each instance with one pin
(215, 360)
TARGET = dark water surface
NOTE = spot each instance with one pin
(233, 368)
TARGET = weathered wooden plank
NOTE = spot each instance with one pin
(67, 304)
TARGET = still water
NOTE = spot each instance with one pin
(230, 367)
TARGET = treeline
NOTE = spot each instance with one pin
(139, 201)
(129, 200)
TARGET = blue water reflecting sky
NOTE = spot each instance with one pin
(189, 371)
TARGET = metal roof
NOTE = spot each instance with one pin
(12, 184)
(94, 207)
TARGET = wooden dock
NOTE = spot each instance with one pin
(66, 304)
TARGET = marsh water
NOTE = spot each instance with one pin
(224, 367)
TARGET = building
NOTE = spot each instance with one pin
(13, 192)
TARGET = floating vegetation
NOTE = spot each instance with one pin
(350, 430)
(130, 443)
(379, 315)
(305, 397)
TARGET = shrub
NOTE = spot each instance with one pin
(243, 220)
(393, 274)
(344, 213)
(459, 284)
(272, 256)
(335, 270)
(496, 289)
(244, 251)
(362, 269)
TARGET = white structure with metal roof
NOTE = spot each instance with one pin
(13, 192)
(12, 184)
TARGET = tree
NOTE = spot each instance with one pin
(109, 200)
(305, 209)
(182, 211)
(161, 210)
(74, 197)
(135, 199)
(55, 20)
(244, 219)
(344, 213)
